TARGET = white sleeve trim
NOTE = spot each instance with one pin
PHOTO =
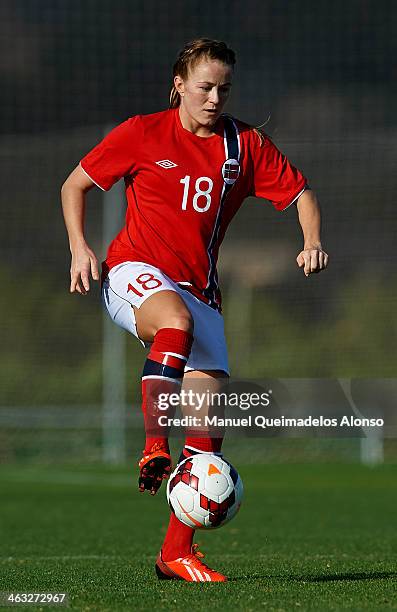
(91, 179)
(296, 197)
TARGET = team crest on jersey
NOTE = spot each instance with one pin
(230, 171)
(166, 163)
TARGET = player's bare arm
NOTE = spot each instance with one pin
(312, 258)
(84, 261)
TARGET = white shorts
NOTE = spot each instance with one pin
(132, 282)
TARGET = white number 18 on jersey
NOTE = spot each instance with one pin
(200, 193)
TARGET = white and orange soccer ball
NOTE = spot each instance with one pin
(204, 491)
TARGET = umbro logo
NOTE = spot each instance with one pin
(166, 163)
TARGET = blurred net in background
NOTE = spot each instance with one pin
(321, 75)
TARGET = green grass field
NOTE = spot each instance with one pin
(307, 538)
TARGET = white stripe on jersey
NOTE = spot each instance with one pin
(210, 260)
(225, 146)
(91, 179)
(238, 141)
(295, 198)
(216, 228)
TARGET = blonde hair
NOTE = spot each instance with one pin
(260, 135)
(191, 54)
(258, 131)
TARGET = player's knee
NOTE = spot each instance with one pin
(175, 318)
(180, 320)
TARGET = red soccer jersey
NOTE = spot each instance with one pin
(177, 211)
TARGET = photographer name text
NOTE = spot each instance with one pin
(268, 422)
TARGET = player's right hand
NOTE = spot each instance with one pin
(83, 264)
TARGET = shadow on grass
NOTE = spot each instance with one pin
(350, 576)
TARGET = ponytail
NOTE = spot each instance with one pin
(175, 98)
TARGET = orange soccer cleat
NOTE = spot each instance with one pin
(154, 467)
(188, 568)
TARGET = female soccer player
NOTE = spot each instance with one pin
(187, 170)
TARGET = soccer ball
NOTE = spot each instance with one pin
(204, 491)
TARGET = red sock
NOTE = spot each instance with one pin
(206, 445)
(178, 540)
(179, 537)
(162, 373)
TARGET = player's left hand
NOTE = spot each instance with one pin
(312, 260)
